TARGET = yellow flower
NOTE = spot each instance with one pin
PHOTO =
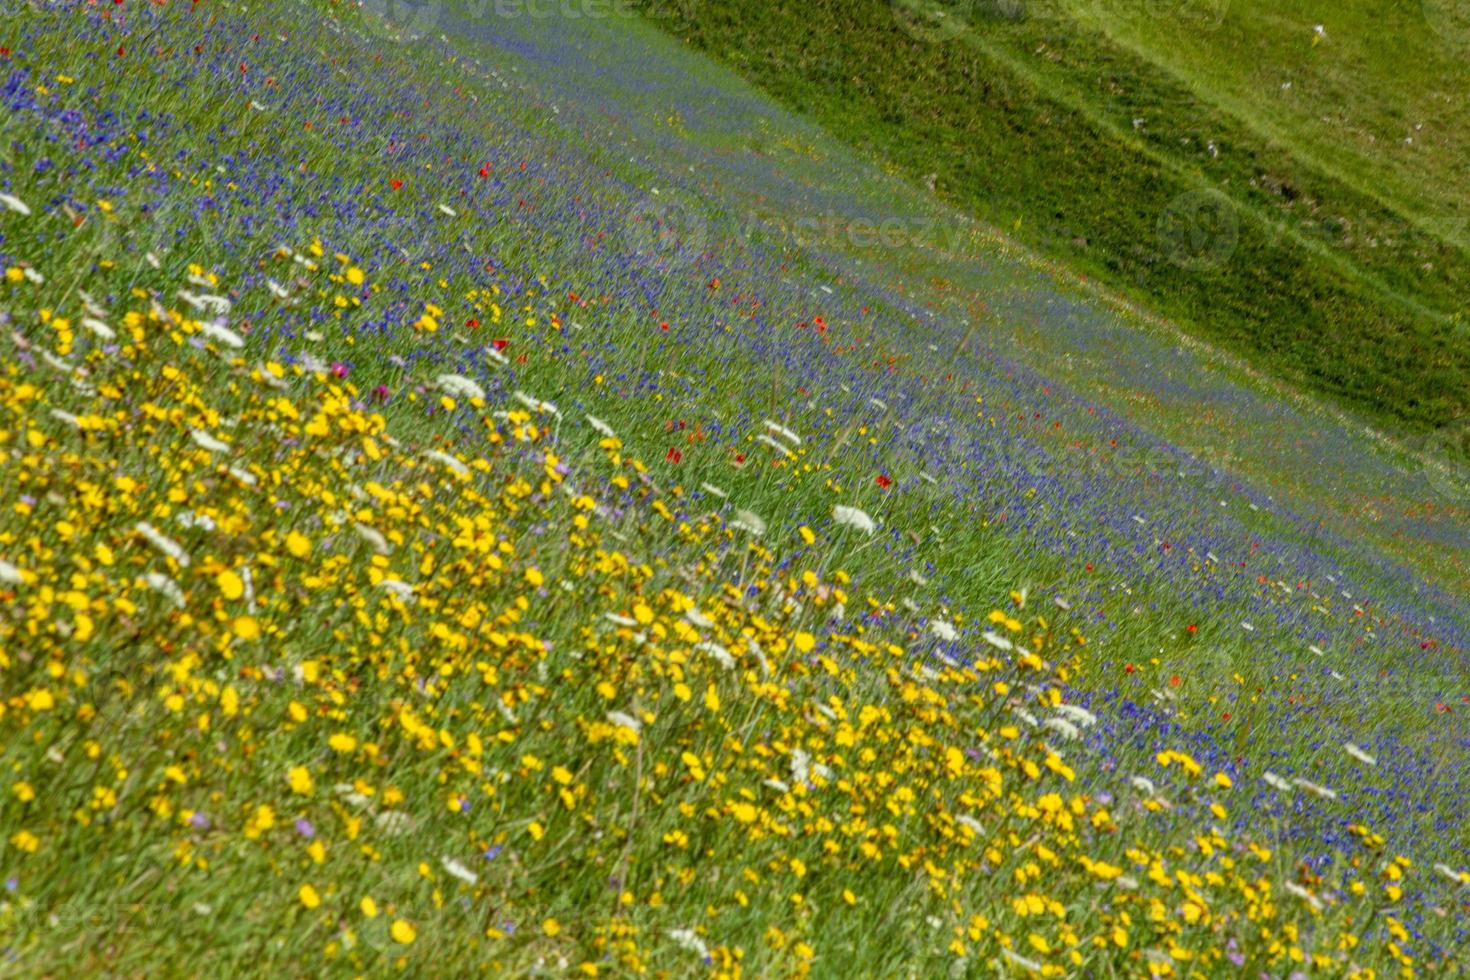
(403, 932)
(309, 897)
(368, 906)
(551, 927)
(300, 779)
(26, 841)
(805, 642)
(24, 792)
(299, 545)
(1223, 781)
(246, 628)
(229, 584)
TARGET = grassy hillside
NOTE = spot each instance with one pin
(1168, 169)
(436, 538)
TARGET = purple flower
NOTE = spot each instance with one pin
(493, 851)
(305, 829)
(199, 821)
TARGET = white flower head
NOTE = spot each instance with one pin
(783, 432)
(15, 204)
(163, 542)
(448, 460)
(853, 518)
(623, 720)
(944, 630)
(746, 521)
(1359, 754)
(459, 871)
(601, 427)
(204, 440)
(459, 386)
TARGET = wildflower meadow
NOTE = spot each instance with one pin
(484, 491)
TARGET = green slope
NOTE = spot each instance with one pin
(1162, 167)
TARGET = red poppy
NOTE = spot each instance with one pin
(395, 183)
(673, 455)
(1174, 681)
(1128, 668)
(1191, 627)
(500, 343)
(883, 481)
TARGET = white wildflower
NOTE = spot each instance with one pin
(997, 641)
(460, 386)
(459, 871)
(1077, 714)
(620, 620)
(1276, 782)
(698, 618)
(448, 461)
(204, 440)
(99, 328)
(783, 432)
(602, 427)
(1315, 789)
(163, 542)
(718, 652)
(1143, 784)
(165, 586)
(62, 415)
(966, 820)
(776, 785)
(446, 209)
(1021, 961)
(244, 476)
(1458, 877)
(33, 276)
(277, 290)
(625, 721)
(944, 630)
(216, 330)
(688, 939)
(536, 404)
(854, 518)
(205, 302)
(749, 522)
(879, 404)
(190, 519)
(1061, 603)
(373, 537)
(15, 204)
(399, 588)
(9, 574)
(1303, 894)
(1359, 754)
(766, 440)
(394, 823)
(1062, 727)
(713, 490)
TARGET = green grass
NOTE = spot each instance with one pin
(125, 714)
(1342, 279)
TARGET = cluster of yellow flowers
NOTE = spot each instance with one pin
(489, 699)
